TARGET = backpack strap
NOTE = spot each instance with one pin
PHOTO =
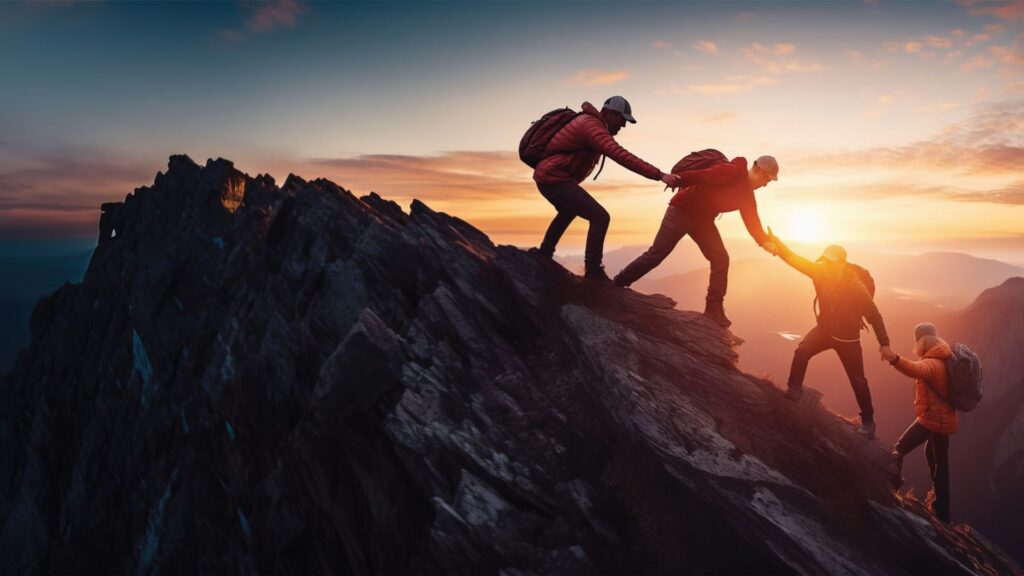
(601, 168)
(941, 397)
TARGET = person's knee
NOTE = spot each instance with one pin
(601, 218)
(801, 354)
(720, 260)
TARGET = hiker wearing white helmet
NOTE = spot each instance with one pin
(710, 184)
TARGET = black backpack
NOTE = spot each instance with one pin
(965, 387)
(865, 278)
(540, 133)
(699, 161)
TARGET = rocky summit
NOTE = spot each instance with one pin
(263, 379)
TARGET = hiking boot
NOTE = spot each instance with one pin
(867, 429)
(896, 479)
(541, 253)
(715, 311)
(794, 393)
(596, 273)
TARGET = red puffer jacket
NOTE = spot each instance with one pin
(574, 151)
(724, 187)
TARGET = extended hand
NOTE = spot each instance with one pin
(771, 248)
(670, 180)
(887, 354)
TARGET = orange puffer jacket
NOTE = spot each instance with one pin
(574, 151)
(932, 412)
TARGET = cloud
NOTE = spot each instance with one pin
(266, 17)
(768, 58)
(730, 85)
(977, 62)
(706, 46)
(662, 44)
(1010, 55)
(1010, 10)
(269, 16)
(598, 77)
(938, 42)
(990, 143)
(912, 47)
(59, 193)
(720, 118)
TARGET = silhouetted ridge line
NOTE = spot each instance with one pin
(294, 379)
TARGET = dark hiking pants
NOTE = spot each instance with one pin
(817, 341)
(936, 451)
(571, 201)
(674, 226)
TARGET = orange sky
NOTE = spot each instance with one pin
(891, 121)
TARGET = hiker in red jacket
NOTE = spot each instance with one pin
(569, 158)
(704, 194)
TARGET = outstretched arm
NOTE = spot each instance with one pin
(752, 221)
(798, 262)
(597, 137)
(923, 369)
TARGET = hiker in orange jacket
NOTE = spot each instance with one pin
(935, 419)
(569, 158)
(705, 194)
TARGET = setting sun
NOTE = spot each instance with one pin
(805, 225)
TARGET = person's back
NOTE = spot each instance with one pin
(718, 189)
(574, 151)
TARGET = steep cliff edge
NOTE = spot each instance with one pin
(263, 379)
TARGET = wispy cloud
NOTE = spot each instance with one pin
(990, 143)
(1011, 10)
(773, 59)
(720, 118)
(730, 85)
(59, 194)
(598, 77)
(706, 46)
(264, 17)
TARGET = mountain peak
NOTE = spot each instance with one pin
(295, 379)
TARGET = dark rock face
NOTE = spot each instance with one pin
(993, 467)
(293, 379)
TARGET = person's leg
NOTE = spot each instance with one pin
(815, 342)
(584, 205)
(673, 228)
(852, 357)
(912, 437)
(709, 240)
(938, 464)
(555, 194)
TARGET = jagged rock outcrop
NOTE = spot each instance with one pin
(263, 379)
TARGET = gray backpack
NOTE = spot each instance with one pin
(965, 386)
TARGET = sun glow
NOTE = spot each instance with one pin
(806, 225)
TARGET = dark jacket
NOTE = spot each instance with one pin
(704, 194)
(842, 303)
(575, 149)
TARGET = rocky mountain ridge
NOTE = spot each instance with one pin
(254, 378)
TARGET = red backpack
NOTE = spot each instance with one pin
(540, 133)
(699, 161)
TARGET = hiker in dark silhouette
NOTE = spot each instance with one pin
(722, 186)
(935, 417)
(569, 158)
(843, 300)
